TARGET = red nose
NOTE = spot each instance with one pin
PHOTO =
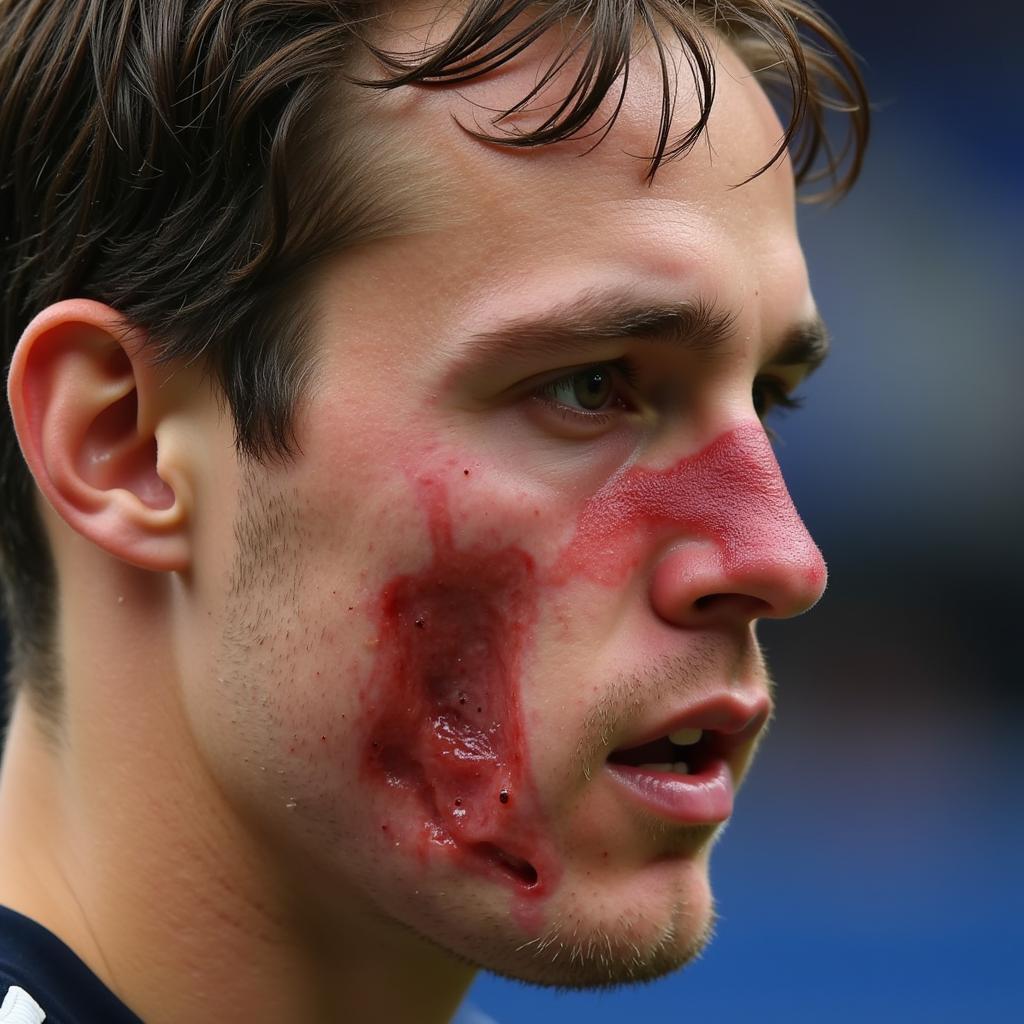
(735, 546)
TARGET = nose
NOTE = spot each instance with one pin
(742, 551)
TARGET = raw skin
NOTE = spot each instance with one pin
(444, 721)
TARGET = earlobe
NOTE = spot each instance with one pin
(88, 409)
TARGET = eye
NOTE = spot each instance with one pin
(590, 390)
(773, 393)
(591, 393)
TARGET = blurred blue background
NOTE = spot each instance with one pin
(874, 868)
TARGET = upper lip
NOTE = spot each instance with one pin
(734, 719)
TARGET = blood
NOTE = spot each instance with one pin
(442, 721)
(730, 492)
(444, 726)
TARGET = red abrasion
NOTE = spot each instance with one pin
(731, 493)
(444, 725)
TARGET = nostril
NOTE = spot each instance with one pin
(694, 584)
(742, 604)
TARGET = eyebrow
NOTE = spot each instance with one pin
(695, 326)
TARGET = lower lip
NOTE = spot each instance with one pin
(702, 799)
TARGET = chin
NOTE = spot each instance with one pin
(596, 932)
(580, 954)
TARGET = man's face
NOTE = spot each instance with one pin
(437, 660)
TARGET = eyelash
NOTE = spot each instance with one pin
(779, 399)
(769, 393)
(778, 396)
(623, 371)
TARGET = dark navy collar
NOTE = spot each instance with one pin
(35, 960)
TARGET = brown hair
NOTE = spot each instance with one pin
(155, 156)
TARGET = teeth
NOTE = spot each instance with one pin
(681, 768)
(686, 737)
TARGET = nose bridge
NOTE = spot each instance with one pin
(731, 492)
(742, 503)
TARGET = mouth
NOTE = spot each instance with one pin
(688, 773)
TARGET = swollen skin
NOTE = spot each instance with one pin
(445, 723)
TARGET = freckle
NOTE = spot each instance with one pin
(479, 709)
(465, 472)
(323, 739)
(384, 828)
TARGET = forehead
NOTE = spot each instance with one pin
(743, 133)
(573, 209)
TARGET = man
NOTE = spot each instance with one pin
(390, 506)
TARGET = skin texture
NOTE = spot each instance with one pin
(251, 632)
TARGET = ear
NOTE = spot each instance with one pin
(88, 408)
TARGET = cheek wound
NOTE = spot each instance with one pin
(443, 716)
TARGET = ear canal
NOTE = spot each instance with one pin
(115, 454)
